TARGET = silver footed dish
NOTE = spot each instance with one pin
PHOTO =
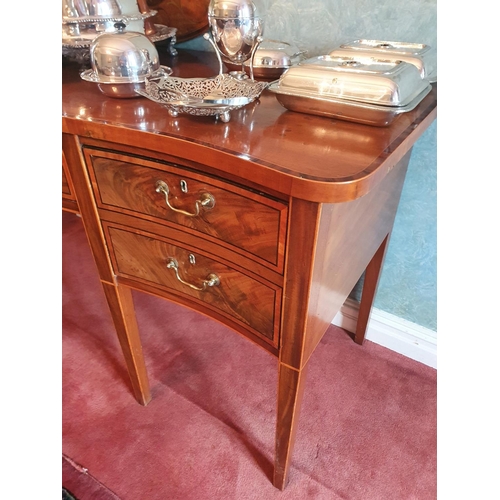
(216, 96)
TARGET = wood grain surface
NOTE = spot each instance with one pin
(240, 217)
(190, 17)
(144, 257)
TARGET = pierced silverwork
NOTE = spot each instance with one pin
(216, 96)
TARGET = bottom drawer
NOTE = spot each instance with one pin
(206, 281)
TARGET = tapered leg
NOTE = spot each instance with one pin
(121, 306)
(304, 217)
(290, 390)
(372, 275)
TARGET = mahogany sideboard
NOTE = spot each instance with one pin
(264, 223)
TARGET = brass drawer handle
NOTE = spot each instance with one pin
(212, 280)
(206, 201)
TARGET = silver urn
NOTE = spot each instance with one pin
(237, 27)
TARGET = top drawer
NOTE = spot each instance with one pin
(170, 194)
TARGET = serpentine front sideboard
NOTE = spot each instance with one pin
(264, 223)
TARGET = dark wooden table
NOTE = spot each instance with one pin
(303, 205)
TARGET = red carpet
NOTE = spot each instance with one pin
(367, 428)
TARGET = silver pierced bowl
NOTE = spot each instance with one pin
(216, 96)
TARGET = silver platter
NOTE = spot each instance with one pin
(162, 33)
(111, 19)
(78, 48)
(89, 75)
(216, 96)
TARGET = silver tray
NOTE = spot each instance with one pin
(344, 109)
(216, 96)
(111, 19)
(78, 48)
(81, 42)
(89, 75)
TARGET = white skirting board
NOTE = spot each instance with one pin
(402, 336)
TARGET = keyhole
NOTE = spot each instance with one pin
(192, 258)
(184, 186)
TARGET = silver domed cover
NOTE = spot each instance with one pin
(123, 56)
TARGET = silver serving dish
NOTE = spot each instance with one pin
(86, 19)
(422, 56)
(124, 88)
(272, 58)
(121, 61)
(78, 48)
(358, 112)
(369, 91)
(216, 96)
(85, 39)
(123, 56)
(374, 81)
(83, 20)
(94, 11)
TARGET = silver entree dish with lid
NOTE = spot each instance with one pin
(272, 58)
(363, 90)
(422, 56)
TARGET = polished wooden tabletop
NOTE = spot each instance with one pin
(315, 158)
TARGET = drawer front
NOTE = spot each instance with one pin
(240, 219)
(207, 282)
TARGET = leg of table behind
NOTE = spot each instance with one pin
(370, 283)
(392, 187)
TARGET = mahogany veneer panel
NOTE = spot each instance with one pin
(240, 217)
(143, 257)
